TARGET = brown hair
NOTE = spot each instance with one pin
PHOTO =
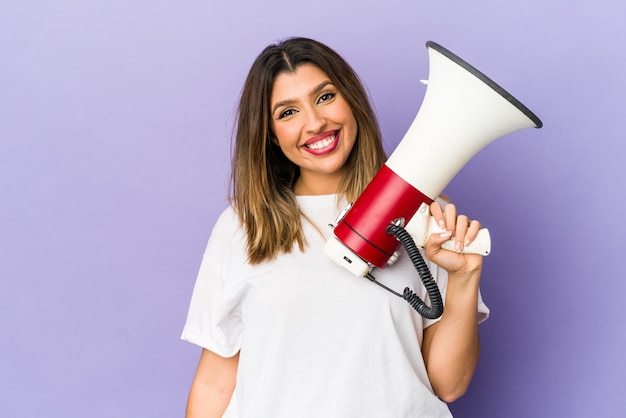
(262, 177)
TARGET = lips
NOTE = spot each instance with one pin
(322, 144)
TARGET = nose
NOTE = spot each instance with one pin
(315, 121)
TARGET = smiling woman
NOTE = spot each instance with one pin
(262, 172)
(275, 341)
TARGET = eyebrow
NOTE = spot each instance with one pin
(315, 91)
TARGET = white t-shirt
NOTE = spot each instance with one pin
(314, 340)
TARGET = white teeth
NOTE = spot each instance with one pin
(321, 144)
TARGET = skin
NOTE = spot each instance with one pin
(451, 347)
(212, 386)
(314, 127)
(307, 109)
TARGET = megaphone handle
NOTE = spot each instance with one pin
(481, 244)
(422, 225)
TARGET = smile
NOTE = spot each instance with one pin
(322, 144)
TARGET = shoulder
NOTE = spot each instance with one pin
(227, 236)
(227, 222)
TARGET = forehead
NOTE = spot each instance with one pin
(300, 83)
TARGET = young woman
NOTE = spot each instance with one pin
(284, 331)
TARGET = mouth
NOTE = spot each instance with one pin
(322, 144)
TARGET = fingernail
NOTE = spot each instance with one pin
(467, 242)
(458, 246)
(446, 234)
(442, 224)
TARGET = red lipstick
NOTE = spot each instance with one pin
(322, 144)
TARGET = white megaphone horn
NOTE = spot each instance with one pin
(462, 112)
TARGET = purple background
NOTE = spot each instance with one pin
(115, 125)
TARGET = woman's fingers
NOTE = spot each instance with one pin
(450, 217)
(437, 212)
(460, 227)
(462, 223)
(472, 232)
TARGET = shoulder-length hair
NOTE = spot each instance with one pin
(262, 177)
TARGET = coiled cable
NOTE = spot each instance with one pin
(430, 312)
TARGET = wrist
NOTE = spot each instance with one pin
(463, 288)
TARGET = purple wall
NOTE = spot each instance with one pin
(115, 122)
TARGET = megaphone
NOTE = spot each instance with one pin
(462, 112)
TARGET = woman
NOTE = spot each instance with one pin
(286, 332)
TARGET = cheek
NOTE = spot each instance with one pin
(354, 130)
(285, 136)
(349, 119)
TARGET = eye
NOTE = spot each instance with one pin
(286, 113)
(326, 97)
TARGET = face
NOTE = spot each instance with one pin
(314, 127)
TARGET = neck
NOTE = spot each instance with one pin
(319, 185)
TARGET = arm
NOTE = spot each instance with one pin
(212, 386)
(451, 347)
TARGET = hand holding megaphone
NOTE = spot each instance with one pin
(423, 225)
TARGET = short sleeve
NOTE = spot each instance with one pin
(214, 316)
